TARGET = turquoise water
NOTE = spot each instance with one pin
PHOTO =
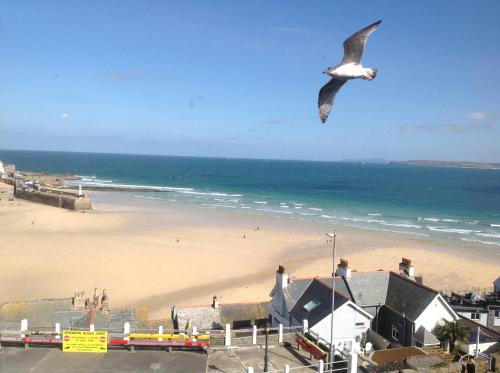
(448, 203)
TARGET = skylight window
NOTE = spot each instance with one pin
(312, 304)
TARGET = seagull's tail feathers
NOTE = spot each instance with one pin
(370, 74)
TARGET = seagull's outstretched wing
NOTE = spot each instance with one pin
(354, 46)
(327, 96)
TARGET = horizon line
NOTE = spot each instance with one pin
(372, 160)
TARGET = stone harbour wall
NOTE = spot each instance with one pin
(63, 201)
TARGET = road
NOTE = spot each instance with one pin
(53, 360)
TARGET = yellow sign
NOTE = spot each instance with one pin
(84, 341)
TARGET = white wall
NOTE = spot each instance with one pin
(471, 348)
(344, 323)
(483, 317)
(434, 313)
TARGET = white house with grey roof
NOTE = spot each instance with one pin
(406, 312)
(296, 300)
(402, 310)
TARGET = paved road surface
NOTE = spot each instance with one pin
(52, 360)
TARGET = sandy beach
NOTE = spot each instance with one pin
(156, 256)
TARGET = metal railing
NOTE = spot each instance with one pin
(339, 366)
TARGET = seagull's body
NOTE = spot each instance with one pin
(349, 68)
(349, 71)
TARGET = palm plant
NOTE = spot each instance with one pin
(452, 332)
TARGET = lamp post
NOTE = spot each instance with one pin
(266, 357)
(332, 349)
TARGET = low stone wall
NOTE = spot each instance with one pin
(481, 366)
(51, 199)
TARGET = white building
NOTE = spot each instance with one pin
(487, 342)
(400, 309)
(311, 299)
(477, 314)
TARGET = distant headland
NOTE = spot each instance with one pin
(483, 165)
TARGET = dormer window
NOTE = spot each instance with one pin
(312, 304)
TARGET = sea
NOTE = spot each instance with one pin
(453, 204)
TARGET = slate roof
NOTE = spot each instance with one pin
(426, 337)
(39, 312)
(294, 290)
(244, 311)
(486, 335)
(318, 291)
(101, 321)
(408, 297)
(203, 317)
(113, 321)
(479, 308)
(68, 319)
(368, 288)
(207, 317)
(340, 285)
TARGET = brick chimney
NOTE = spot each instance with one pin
(281, 278)
(343, 268)
(406, 267)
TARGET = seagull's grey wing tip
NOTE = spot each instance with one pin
(326, 97)
(354, 45)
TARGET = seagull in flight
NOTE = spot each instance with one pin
(349, 68)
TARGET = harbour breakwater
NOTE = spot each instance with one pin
(66, 201)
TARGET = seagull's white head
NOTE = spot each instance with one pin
(328, 70)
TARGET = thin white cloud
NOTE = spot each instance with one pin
(480, 115)
(447, 128)
(64, 115)
(119, 75)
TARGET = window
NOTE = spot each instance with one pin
(497, 314)
(474, 316)
(312, 304)
(360, 324)
(395, 333)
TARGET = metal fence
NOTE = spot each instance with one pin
(339, 366)
(18, 332)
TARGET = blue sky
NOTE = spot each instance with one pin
(241, 78)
